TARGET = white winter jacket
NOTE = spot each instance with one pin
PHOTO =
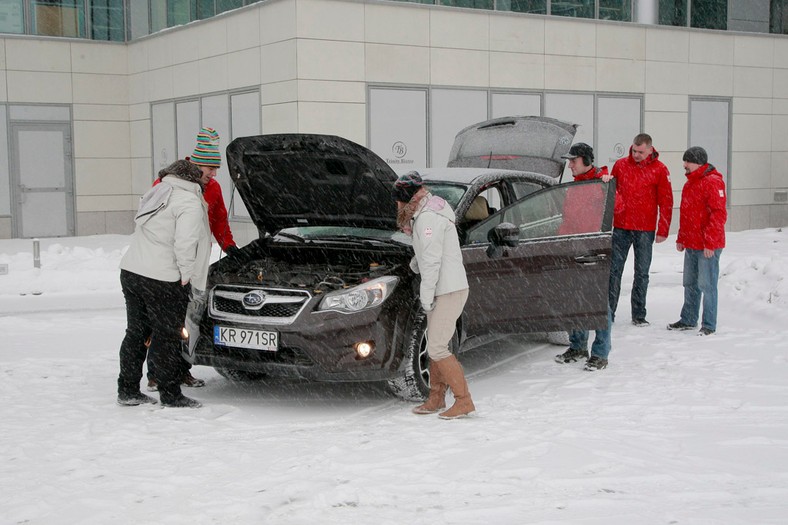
(438, 257)
(172, 239)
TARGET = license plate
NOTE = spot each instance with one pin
(244, 338)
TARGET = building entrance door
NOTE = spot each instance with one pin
(43, 181)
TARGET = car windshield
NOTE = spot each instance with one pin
(451, 193)
(312, 233)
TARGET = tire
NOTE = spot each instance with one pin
(558, 338)
(240, 376)
(413, 384)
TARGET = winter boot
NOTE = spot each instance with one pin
(678, 325)
(181, 402)
(135, 398)
(437, 399)
(571, 355)
(453, 375)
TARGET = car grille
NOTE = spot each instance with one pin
(257, 305)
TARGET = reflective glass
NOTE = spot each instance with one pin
(58, 17)
(620, 10)
(778, 21)
(106, 20)
(709, 14)
(673, 12)
(573, 8)
(12, 18)
(538, 7)
(475, 4)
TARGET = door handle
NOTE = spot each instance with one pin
(590, 259)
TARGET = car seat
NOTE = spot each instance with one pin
(478, 210)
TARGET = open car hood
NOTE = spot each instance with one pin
(516, 143)
(311, 180)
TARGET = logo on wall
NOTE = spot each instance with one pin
(399, 149)
(618, 150)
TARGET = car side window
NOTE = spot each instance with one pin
(568, 209)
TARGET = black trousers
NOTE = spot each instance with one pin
(155, 309)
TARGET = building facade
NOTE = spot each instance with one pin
(86, 124)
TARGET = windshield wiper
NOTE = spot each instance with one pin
(291, 236)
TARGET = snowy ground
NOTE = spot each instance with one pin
(678, 430)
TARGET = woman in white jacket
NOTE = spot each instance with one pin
(168, 255)
(444, 288)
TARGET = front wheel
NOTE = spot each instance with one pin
(414, 383)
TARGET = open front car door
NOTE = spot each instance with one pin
(542, 263)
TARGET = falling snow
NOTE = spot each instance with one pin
(678, 430)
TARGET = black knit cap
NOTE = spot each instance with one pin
(407, 186)
(581, 149)
(696, 155)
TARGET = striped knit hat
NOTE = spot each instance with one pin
(206, 153)
(407, 186)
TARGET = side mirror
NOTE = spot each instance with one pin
(505, 234)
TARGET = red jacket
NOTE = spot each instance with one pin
(584, 205)
(703, 214)
(217, 213)
(642, 189)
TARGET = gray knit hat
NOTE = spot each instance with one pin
(696, 155)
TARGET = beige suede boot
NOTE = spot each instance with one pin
(454, 376)
(437, 399)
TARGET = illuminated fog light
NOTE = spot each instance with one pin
(364, 349)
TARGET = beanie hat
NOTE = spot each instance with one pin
(581, 149)
(696, 155)
(206, 153)
(183, 169)
(407, 186)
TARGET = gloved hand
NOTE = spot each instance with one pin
(232, 250)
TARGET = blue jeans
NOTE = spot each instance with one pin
(642, 244)
(700, 278)
(578, 339)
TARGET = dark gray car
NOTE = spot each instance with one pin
(325, 293)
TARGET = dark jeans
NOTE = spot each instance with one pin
(154, 309)
(642, 244)
(700, 281)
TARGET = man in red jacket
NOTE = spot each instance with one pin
(644, 203)
(582, 214)
(701, 237)
(207, 157)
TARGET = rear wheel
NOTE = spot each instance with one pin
(241, 376)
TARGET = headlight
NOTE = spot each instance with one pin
(367, 295)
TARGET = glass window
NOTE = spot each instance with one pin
(620, 10)
(106, 20)
(709, 14)
(12, 18)
(778, 21)
(451, 111)
(205, 9)
(398, 127)
(475, 4)
(58, 17)
(574, 8)
(226, 5)
(538, 7)
(138, 18)
(673, 12)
